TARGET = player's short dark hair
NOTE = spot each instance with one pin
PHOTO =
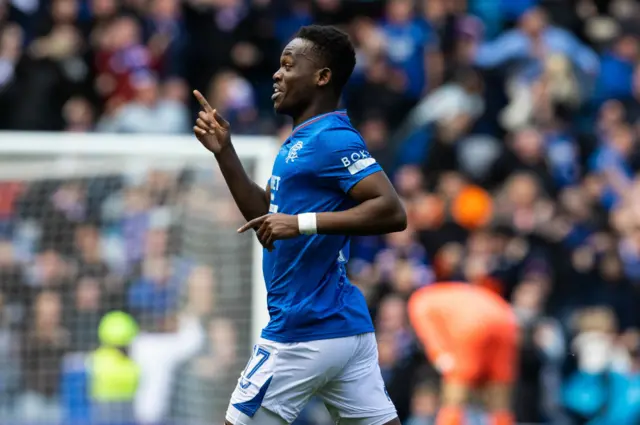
(334, 49)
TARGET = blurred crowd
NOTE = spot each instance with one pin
(143, 242)
(509, 127)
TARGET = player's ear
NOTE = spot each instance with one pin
(324, 77)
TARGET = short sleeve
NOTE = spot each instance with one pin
(343, 159)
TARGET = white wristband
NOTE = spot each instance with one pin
(307, 224)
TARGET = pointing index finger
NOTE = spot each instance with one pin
(203, 102)
(253, 223)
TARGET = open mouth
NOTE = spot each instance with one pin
(276, 93)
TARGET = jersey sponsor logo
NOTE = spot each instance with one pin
(293, 152)
(357, 161)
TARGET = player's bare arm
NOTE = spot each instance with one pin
(214, 132)
(379, 211)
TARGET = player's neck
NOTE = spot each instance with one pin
(313, 110)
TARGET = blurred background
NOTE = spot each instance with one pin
(509, 127)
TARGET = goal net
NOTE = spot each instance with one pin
(91, 225)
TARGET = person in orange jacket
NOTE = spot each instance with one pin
(471, 336)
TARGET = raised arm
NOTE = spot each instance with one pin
(508, 46)
(251, 199)
(214, 133)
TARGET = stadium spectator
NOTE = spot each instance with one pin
(424, 405)
(531, 43)
(406, 46)
(149, 111)
(44, 346)
(78, 115)
(541, 352)
(10, 368)
(159, 353)
(113, 376)
(235, 98)
(83, 321)
(210, 369)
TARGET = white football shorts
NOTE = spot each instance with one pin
(280, 378)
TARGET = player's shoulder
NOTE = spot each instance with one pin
(337, 132)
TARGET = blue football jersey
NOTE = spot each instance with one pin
(308, 294)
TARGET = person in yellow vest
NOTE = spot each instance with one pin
(113, 376)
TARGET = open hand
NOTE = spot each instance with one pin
(211, 129)
(273, 227)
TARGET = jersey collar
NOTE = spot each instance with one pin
(315, 119)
